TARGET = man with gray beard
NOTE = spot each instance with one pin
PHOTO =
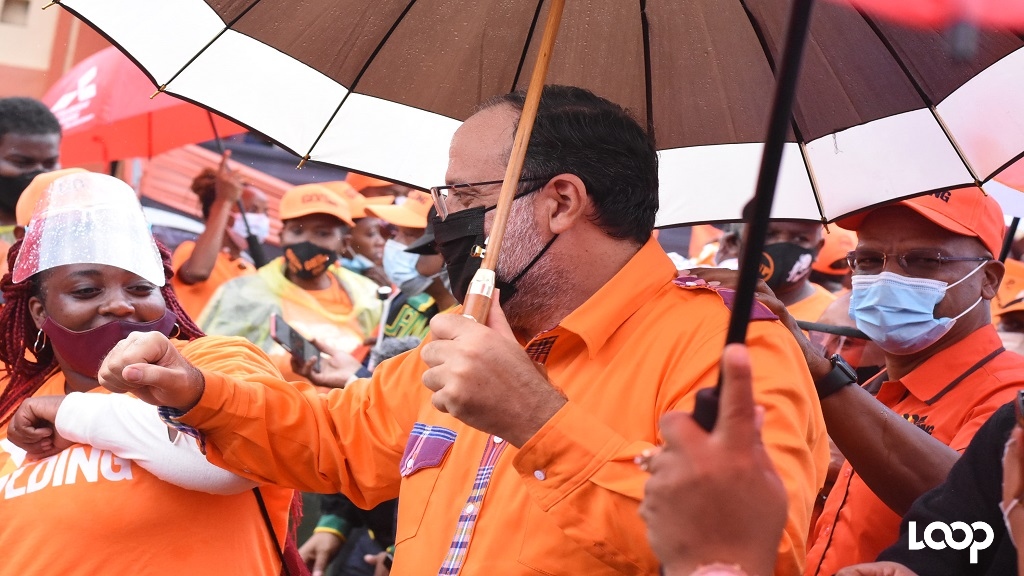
(511, 444)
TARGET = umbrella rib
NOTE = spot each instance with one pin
(645, 30)
(227, 26)
(526, 45)
(763, 41)
(921, 92)
(359, 76)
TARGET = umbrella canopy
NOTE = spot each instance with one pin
(999, 13)
(106, 113)
(881, 113)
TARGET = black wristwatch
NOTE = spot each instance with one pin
(840, 376)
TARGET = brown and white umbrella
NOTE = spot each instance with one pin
(882, 112)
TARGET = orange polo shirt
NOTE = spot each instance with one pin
(88, 511)
(810, 309)
(193, 297)
(855, 525)
(567, 501)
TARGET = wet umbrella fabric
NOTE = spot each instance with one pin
(881, 113)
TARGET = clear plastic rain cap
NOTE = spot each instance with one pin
(89, 218)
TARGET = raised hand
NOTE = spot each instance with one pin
(32, 427)
(481, 375)
(150, 367)
(715, 497)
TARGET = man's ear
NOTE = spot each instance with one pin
(568, 202)
(993, 271)
(37, 311)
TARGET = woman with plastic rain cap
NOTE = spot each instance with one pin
(96, 478)
(217, 255)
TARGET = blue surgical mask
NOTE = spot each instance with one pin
(357, 263)
(897, 312)
(259, 223)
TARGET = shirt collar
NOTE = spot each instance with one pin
(938, 371)
(647, 272)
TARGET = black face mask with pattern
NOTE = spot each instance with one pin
(307, 260)
(460, 240)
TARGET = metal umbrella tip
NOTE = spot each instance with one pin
(52, 2)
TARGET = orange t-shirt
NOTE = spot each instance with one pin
(809, 309)
(87, 511)
(193, 297)
(855, 525)
(566, 502)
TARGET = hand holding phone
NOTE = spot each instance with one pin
(302, 350)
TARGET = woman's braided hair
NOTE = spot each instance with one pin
(27, 372)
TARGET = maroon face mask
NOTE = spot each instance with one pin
(84, 351)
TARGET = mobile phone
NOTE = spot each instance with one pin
(300, 348)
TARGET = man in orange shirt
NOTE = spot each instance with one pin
(923, 273)
(500, 467)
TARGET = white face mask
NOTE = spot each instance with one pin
(259, 224)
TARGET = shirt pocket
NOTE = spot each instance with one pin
(545, 549)
(425, 452)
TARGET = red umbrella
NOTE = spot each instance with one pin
(106, 112)
(995, 13)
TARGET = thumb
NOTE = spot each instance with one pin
(370, 559)
(737, 414)
(496, 318)
(327, 348)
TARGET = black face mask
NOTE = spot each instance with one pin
(785, 264)
(461, 241)
(306, 260)
(11, 188)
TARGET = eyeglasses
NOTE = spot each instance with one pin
(919, 262)
(440, 193)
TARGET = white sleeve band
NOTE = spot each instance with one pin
(132, 429)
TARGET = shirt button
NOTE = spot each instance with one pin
(470, 508)
(539, 475)
(409, 463)
(498, 440)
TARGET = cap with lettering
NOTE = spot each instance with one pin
(965, 211)
(313, 199)
(30, 197)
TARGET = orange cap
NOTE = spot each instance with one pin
(964, 211)
(30, 196)
(360, 182)
(313, 199)
(838, 243)
(356, 202)
(410, 214)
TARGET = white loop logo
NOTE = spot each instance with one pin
(949, 533)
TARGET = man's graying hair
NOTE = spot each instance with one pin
(577, 132)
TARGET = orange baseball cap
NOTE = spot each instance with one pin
(965, 211)
(34, 191)
(410, 214)
(360, 182)
(313, 199)
(832, 257)
(356, 202)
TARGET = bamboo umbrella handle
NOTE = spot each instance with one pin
(478, 297)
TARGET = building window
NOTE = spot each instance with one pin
(14, 12)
